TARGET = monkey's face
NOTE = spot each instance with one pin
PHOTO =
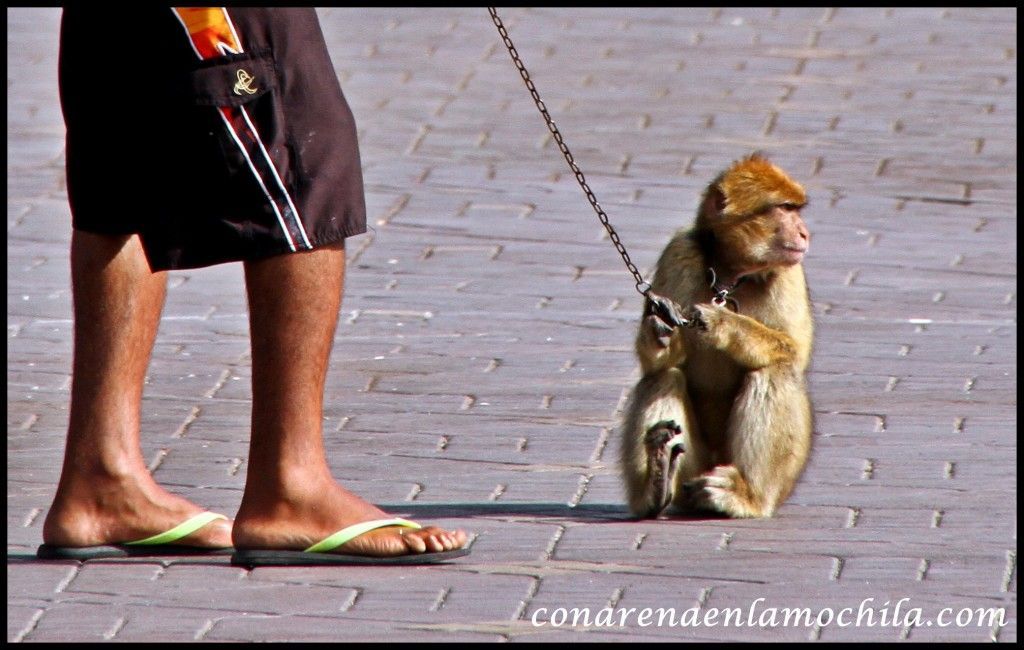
(790, 239)
(772, 238)
(753, 211)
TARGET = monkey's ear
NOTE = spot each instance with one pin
(713, 204)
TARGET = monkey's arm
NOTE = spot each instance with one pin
(748, 342)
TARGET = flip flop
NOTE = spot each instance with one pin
(319, 554)
(161, 544)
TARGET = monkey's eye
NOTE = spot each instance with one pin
(790, 206)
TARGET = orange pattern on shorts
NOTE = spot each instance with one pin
(210, 29)
(212, 35)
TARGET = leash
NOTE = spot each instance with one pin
(667, 310)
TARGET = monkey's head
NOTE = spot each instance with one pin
(751, 213)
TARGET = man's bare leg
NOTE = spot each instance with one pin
(291, 501)
(106, 494)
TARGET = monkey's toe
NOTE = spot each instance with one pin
(698, 496)
(721, 490)
(666, 435)
(723, 477)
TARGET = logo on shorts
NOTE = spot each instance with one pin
(244, 83)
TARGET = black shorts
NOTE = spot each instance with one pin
(216, 134)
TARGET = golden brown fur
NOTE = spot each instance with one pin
(754, 185)
(720, 419)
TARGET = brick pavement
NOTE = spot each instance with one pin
(485, 344)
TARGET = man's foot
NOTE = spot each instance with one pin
(296, 522)
(105, 510)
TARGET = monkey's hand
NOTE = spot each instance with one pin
(657, 345)
(667, 311)
(710, 321)
(656, 332)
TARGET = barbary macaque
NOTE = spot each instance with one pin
(720, 419)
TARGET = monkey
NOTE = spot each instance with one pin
(720, 419)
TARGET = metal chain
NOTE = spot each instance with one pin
(580, 178)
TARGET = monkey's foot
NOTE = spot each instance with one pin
(665, 437)
(664, 443)
(724, 490)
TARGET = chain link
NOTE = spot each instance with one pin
(580, 178)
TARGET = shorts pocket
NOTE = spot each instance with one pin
(232, 80)
(237, 140)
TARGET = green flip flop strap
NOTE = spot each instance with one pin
(347, 534)
(183, 529)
